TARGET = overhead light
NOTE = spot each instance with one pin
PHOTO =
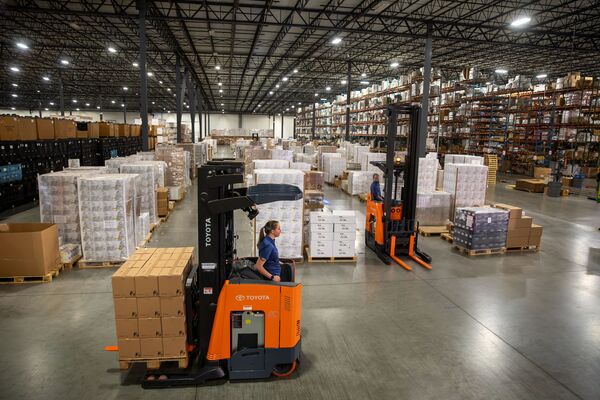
(12, 108)
(151, 74)
(15, 85)
(112, 50)
(222, 104)
(277, 86)
(259, 106)
(220, 83)
(271, 93)
(74, 101)
(37, 91)
(501, 71)
(520, 21)
(295, 71)
(97, 107)
(336, 40)
(152, 102)
(217, 67)
(64, 62)
(122, 105)
(51, 103)
(87, 104)
(287, 109)
(77, 109)
(187, 106)
(292, 106)
(285, 78)
(328, 88)
(160, 82)
(14, 69)
(46, 109)
(395, 64)
(542, 76)
(364, 82)
(316, 94)
(299, 103)
(112, 102)
(22, 45)
(343, 81)
(363, 75)
(45, 78)
(136, 64)
(14, 95)
(125, 88)
(220, 90)
(168, 89)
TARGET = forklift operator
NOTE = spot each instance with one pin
(376, 189)
(268, 264)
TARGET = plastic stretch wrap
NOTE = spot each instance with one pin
(147, 193)
(433, 208)
(480, 227)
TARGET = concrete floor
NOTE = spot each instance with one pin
(516, 326)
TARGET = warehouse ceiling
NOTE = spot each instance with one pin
(270, 55)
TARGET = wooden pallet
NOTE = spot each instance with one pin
(328, 259)
(523, 249)
(480, 252)
(154, 363)
(72, 263)
(363, 197)
(433, 230)
(11, 280)
(447, 237)
(99, 264)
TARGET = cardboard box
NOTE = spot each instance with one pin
(146, 282)
(518, 237)
(27, 129)
(173, 326)
(321, 227)
(345, 217)
(104, 129)
(82, 134)
(319, 217)
(174, 347)
(171, 281)
(172, 306)
(148, 307)
(125, 307)
(129, 348)
(93, 130)
(539, 172)
(531, 185)
(65, 129)
(127, 328)
(516, 223)
(513, 212)
(9, 128)
(45, 128)
(135, 130)
(28, 249)
(122, 130)
(345, 227)
(151, 348)
(344, 248)
(149, 328)
(123, 281)
(535, 235)
(320, 236)
(345, 236)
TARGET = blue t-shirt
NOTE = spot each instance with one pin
(375, 191)
(268, 251)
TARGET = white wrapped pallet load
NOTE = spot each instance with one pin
(148, 186)
(433, 208)
(427, 174)
(326, 164)
(287, 155)
(302, 166)
(288, 213)
(365, 161)
(271, 164)
(107, 210)
(467, 183)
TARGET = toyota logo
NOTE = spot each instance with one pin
(240, 297)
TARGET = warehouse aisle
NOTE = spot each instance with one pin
(519, 326)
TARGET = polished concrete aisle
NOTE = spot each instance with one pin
(515, 326)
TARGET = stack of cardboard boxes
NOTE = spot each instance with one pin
(522, 232)
(27, 128)
(162, 201)
(332, 234)
(148, 293)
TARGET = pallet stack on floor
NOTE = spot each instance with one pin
(522, 234)
(332, 236)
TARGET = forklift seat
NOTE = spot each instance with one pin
(245, 268)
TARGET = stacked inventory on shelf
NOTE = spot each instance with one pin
(321, 118)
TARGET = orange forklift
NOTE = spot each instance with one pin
(390, 226)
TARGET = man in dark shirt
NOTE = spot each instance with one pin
(376, 189)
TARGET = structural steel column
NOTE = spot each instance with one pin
(61, 94)
(124, 110)
(314, 121)
(348, 101)
(422, 138)
(100, 105)
(200, 100)
(178, 95)
(192, 98)
(273, 125)
(282, 115)
(294, 127)
(141, 5)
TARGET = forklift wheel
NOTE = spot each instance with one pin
(284, 370)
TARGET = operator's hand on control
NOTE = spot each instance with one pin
(276, 278)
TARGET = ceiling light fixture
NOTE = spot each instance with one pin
(285, 78)
(97, 107)
(295, 71)
(336, 40)
(15, 69)
(277, 86)
(501, 71)
(271, 93)
(135, 64)
(64, 62)
(14, 95)
(363, 75)
(22, 45)
(395, 64)
(150, 74)
(542, 76)
(222, 104)
(12, 108)
(520, 21)
(125, 88)
(46, 109)
(220, 90)
(217, 67)
(343, 81)
(328, 88)
(112, 50)
(15, 85)
(160, 82)
(168, 89)
(299, 103)
(220, 83)
(46, 78)
(122, 105)
(364, 82)
(87, 104)
(77, 109)
(74, 101)
(112, 102)
(51, 103)
(316, 94)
